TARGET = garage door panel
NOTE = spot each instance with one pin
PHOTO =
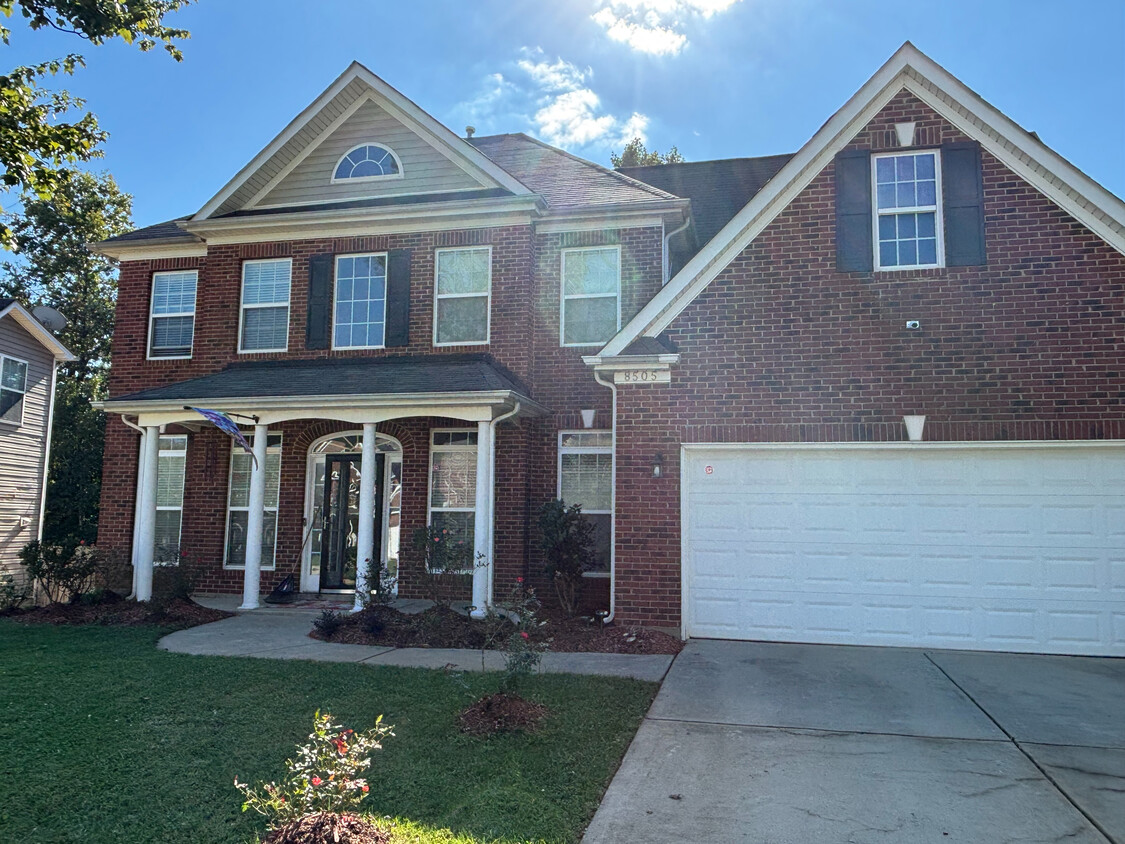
(1012, 549)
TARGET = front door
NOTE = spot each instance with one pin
(340, 539)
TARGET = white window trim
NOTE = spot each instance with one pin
(938, 209)
(350, 180)
(23, 392)
(153, 316)
(487, 295)
(600, 449)
(336, 287)
(430, 474)
(172, 452)
(266, 509)
(563, 296)
(242, 308)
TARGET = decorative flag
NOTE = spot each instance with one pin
(228, 426)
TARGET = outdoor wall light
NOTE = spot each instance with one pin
(658, 466)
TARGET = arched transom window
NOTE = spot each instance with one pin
(367, 161)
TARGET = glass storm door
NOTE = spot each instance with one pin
(340, 539)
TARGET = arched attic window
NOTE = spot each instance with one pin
(368, 161)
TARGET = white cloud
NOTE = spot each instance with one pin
(654, 26)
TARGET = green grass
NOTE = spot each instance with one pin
(103, 738)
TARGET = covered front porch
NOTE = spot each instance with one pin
(349, 458)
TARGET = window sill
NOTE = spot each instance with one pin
(596, 574)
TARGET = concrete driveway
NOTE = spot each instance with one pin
(802, 743)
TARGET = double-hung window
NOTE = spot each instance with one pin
(908, 223)
(461, 295)
(13, 388)
(238, 503)
(591, 300)
(586, 478)
(264, 325)
(170, 469)
(453, 483)
(360, 306)
(172, 317)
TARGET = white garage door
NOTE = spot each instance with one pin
(924, 545)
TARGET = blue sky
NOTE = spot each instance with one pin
(717, 78)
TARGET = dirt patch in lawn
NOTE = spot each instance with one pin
(501, 713)
(113, 610)
(328, 827)
(441, 627)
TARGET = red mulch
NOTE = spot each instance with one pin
(328, 828)
(501, 713)
(441, 627)
(116, 611)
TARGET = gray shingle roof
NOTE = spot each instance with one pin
(341, 377)
(379, 202)
(717, 189)
(562, 179)
(5, 302)
(168, 230)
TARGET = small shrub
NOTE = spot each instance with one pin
(65, 574)
(12, 594)
(326, 774)
(567, 541)
(383, 593)
(176, 578)
(514, 624)
(447, 558)
(328, 622)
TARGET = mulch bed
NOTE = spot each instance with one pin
(326, 827)
(501, 713)
(441, 627)
(113, 610)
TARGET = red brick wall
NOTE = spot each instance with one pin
(783, 348)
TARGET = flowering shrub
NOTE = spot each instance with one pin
(448, 558)
(64, 573)
(325, 776)
(514, 625)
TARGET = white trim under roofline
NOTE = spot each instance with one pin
(1095, 207)
(461, 152)
(148, 250)
(36, 329)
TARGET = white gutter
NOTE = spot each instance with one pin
(666, 270)
(612, 502)
(140, 485)
(492, 496)
(47, 452)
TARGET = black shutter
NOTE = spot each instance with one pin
(318, 329)
(963, 198)
(398, 298)
(855, 251)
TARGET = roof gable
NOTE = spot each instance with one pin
(353, 91)
(11, 309)
(908, 69)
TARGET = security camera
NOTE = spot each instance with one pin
(913, 324)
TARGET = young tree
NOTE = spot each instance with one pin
(636, 154)
(38, 146)
(55, 268)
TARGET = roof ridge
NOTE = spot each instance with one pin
(711, 161)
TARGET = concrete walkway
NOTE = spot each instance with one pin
(282, 633)
(798, 743)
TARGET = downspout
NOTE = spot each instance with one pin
(47, 453)
(667, 268)
(492, 495)
(612, 502)
(140, 482)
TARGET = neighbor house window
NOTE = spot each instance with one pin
(368, 161)
(172, 319)
(461, 296)
(361, 301)
(908, 224)
(13, 387)
(453, 483)
(170, 469)
(591, 306)
(238, 503)
(265, 306)
(586, 478)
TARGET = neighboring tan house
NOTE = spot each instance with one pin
(715, 359)
(29, 354)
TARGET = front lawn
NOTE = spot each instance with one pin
(105, 738)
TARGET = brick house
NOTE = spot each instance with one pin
(717, 359)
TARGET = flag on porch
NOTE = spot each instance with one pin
(228, 426)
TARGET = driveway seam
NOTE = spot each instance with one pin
(790, 727)
(1026, 755)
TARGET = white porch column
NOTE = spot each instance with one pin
(137, 508)
(252, 573)
(146, 515)
(365, 539)
(482, 523)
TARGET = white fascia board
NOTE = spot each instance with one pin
(37, 330)
(430, 130)
(903, 70)
(148, 250)
(602, 363)
(631, 215)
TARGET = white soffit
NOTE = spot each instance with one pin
(908, 69)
